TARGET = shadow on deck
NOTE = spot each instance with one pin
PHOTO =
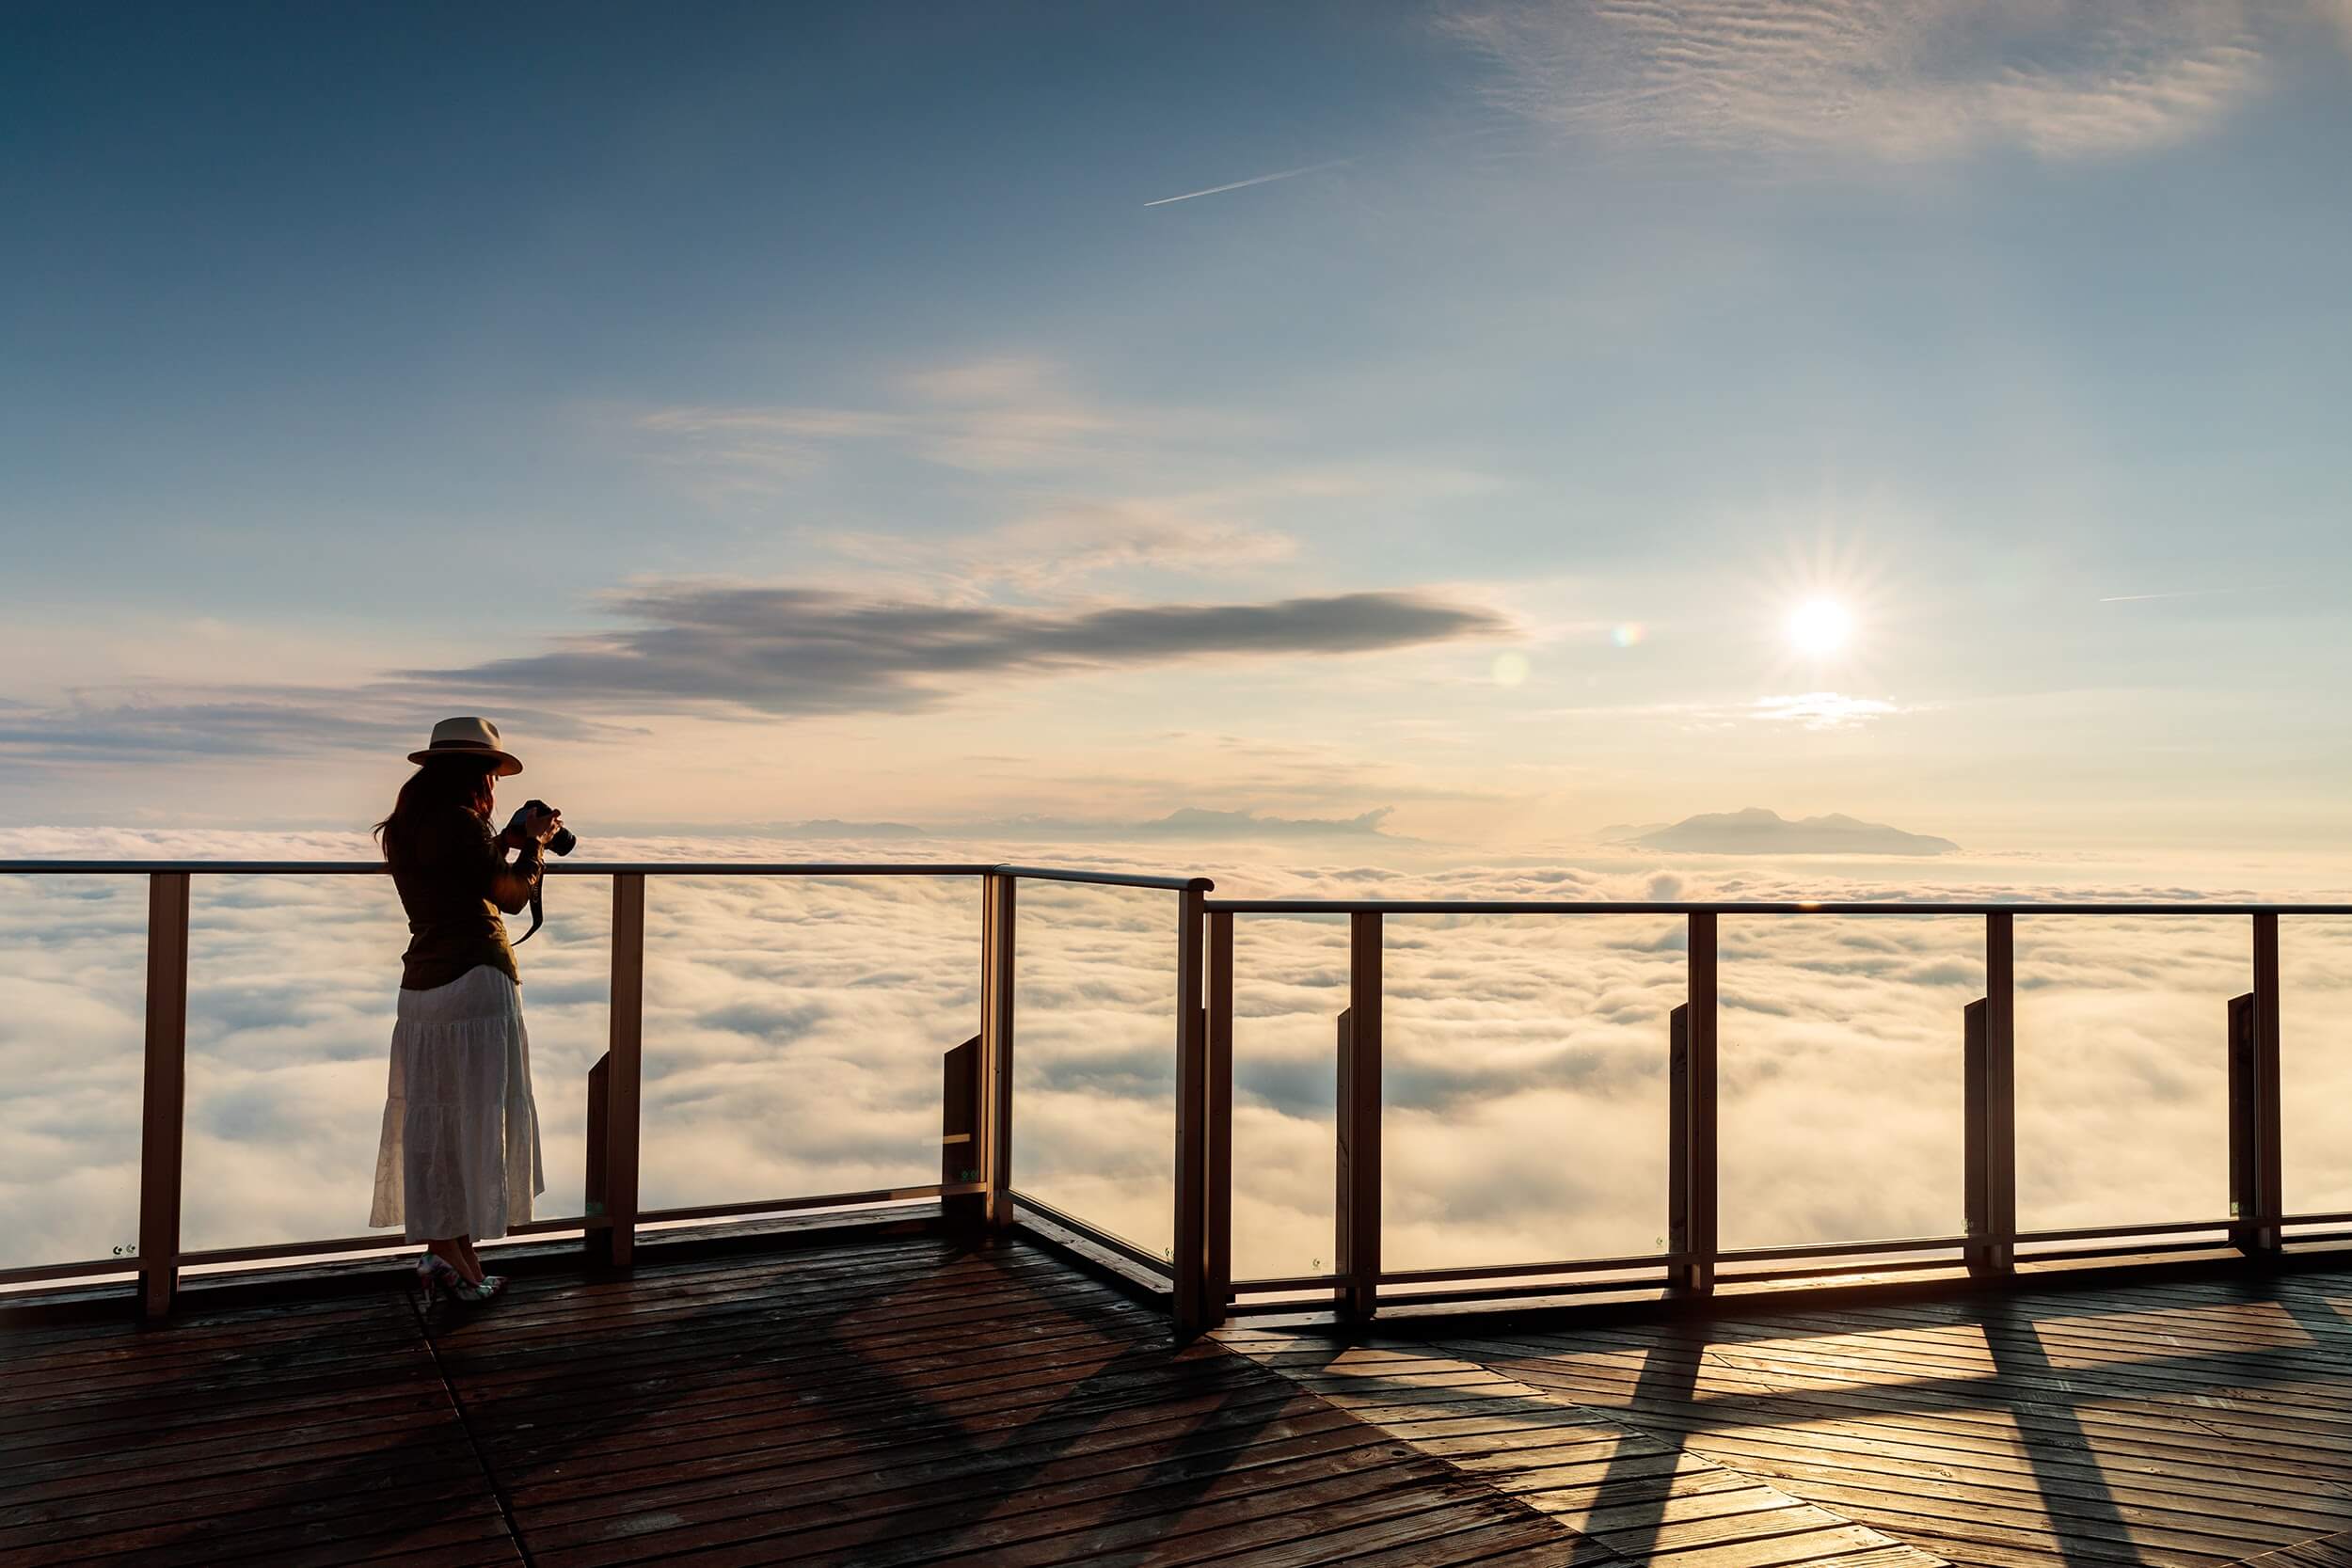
(901, 1400)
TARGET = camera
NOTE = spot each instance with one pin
(563, 842)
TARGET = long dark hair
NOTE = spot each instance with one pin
(439, 788)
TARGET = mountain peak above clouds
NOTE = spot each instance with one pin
(1754, 831)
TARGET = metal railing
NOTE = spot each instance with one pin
(976, 1190)
(977, 1101)
(1693, 1260)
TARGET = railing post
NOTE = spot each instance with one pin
(599, 1153)
(625, 1058)
(164, 1099)
(1989, 1106)
(1678, 1143)
(997, 971)
(1356, 1248)
(1219, 1029)
(966, 1213)
(1696, 1275)
(1190, 1262)
(2256, 1196)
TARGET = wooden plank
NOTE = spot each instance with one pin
(383, 1470)
(1559, 1467)
(2094, 1501)
(163, 1104)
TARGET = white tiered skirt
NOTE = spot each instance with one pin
(460, 1152)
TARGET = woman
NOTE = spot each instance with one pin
(460, 1157)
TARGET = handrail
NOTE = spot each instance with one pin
(1103, 879)
(614, 868)
(1913, 907)
(976, 1185)
(555, 867)
(1693, 1262)
(976, 1097)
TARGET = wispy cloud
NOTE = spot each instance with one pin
(1258, 179)
(1075, 541)
(1001, 416)
(1821, 710)
(1891, 80)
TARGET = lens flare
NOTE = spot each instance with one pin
(1628, 634)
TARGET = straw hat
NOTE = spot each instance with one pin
(468, 738)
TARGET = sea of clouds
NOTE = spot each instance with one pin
(794, 1026)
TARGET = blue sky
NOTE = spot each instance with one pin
(826, 370)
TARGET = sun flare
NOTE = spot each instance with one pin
(1820, 628)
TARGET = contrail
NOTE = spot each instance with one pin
(2179, 593)
(1245, 184)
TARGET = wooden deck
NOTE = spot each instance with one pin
(901, 1400)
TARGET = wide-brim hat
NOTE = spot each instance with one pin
(468, 738)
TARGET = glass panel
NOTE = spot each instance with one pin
(2315, 1064)
(794, 1028)
(1094, 1059)
(2122, 1086)
(568, 1010)
(72, 1034)
(1290, 984)
(1524, 1074)
(1838, 1076)
(292, 986)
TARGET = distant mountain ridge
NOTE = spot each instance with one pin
(1755, 831)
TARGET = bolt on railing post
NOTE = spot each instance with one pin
(1356, 1248)
(625, 1067)
(2256, 1196)
(1989, 1106)
(1696, 1160)
(1219, 1029)
(163, 1098)
(1190, 1253)
(997, 971)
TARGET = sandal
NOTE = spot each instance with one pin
(436, 1275)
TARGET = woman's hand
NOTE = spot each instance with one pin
(529, 825)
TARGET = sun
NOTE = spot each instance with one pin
(1820, 628)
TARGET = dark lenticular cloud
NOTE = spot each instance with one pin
(807, 651)
(715, 649)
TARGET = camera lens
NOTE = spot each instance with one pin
(563, 842)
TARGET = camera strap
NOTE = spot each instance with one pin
(538, 916)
